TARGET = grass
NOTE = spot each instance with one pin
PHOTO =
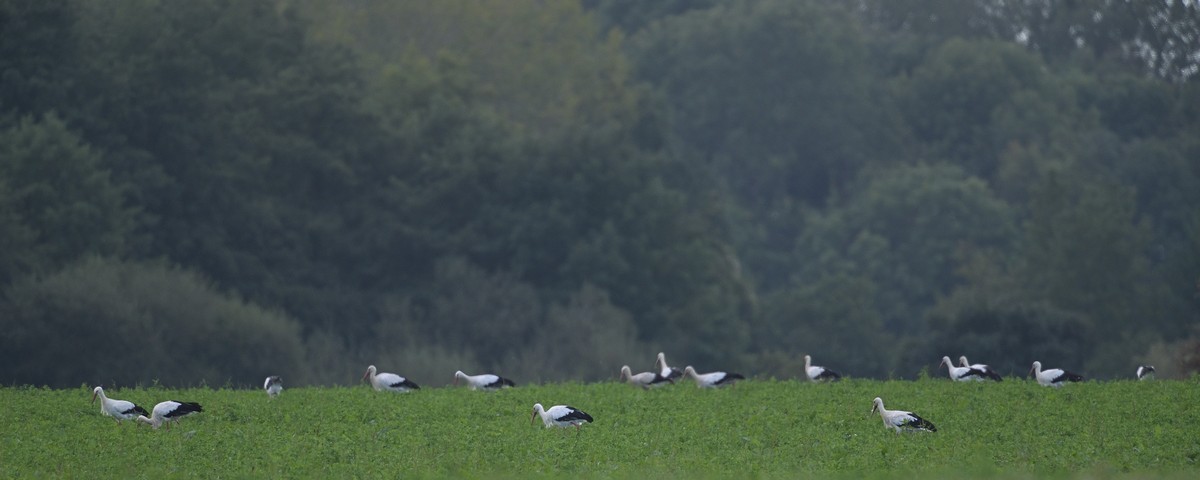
(1014, 429)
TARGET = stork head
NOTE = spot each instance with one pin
(370, 372)
(876, 405)
(807, 361)
(457, 375)
(1036, 368)
(96, 391)
(946, 362)
(537, 408)
(626, 373)
(689, 371)
(962, 360)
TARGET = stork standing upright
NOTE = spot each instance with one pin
(118, 409)
(273, 385)
(666, 371)
(988, 372)
(170, 411)
(560, 416)
(486, 382)
(644, 379)
(817, 373)
(1054, 377)
(902, 420)
(712, 379)
(389, 382)
(961, 374)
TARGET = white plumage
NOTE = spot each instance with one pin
(644, 379)
(560, 416)
(712, 379)
(901, 420)
(958, 374)
(666, 371)
(170, 411)
(818, 373)
(118, 409)
(486, 382)
(389, 382)
(273, 385)
(1145, 372)
(988, 372)
(1054, 377)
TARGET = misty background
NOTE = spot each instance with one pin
(207, 192)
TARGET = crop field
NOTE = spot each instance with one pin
(761, 428)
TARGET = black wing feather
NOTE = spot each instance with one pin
(917, 422)
(575, 415)
(827, 374)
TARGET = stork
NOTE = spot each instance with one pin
(389, 381)
(816, 373)
(170, 411)
(901, 420)
(961, 374)
(486, 382)
(118, 409)
(273, 385)
(712, 379)
(1145, 372)
(665, 370)
(644, 379)
(560, 416)
(987, 371)
(1054, 377)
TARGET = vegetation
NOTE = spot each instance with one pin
(211, 191)
(756, 428)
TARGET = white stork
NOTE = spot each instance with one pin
(273, 385)
(712, 379)
(816, 373)
(961, 374)
(901, 420)
(170, 411)
(665, 370)
(644, 379)
(1145, 372)
(118, 409)
(988, 372)
(389, 381)
(1054, 377)
(486, 382)
(560, 416)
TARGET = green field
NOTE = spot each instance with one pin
(1014, 429)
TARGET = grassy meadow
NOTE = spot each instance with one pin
(763, 428)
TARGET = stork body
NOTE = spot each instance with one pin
(961, 374)
(389, 382)
(170, 411)
(273, 385)
(486, 382)
(118, 409)
(712, 379)
(817, 373)
(901, 420)
(645, 380)
(1145, 372)
(560, 416)
(666, 371)
(988, 372)
(1054, 377)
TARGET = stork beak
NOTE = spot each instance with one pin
(532, 416)
(368, 372)
(874, 408)
(93, 397)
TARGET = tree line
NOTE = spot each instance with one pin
(219, 190)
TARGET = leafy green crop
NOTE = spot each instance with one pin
(1013, 429)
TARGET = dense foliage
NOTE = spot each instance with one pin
(214, 190)
(763, 429)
